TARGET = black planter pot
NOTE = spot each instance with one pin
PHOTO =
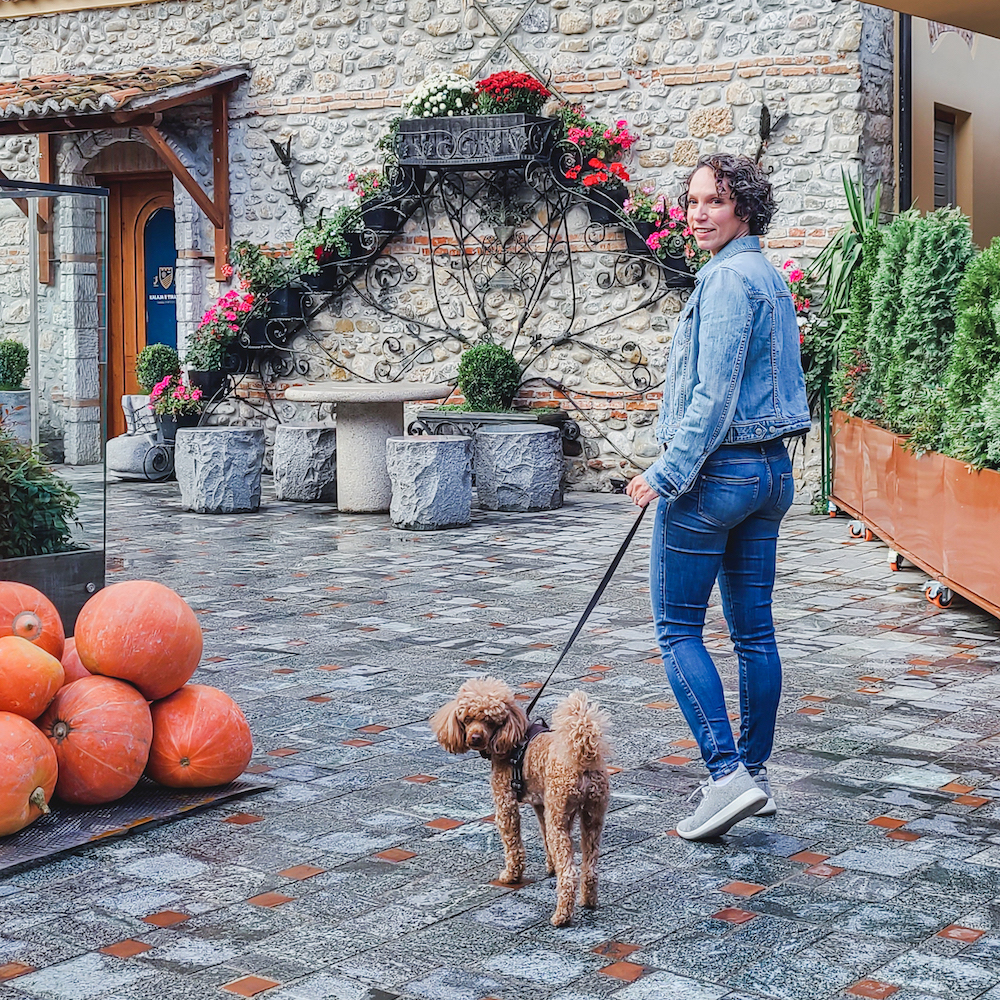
(635, 239)
(380, 216)
(329, 279)
(466, 141)
(169, 422)
(284, 303)
(210, 383)
(678, 274)
(605, 204)
(284, 311)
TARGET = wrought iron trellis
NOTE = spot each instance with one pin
(492, 227)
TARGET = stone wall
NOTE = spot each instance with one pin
(691, 77)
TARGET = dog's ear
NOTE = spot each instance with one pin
(512, 731)
(447, 728)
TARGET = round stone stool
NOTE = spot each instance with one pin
(519, 468)
(431, 478)
(218, 468)
(304, 462)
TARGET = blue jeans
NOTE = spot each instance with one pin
(725, 527)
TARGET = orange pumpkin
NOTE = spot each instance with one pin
(29, 677)
(141, 632)
(200, 739)
(72, 663)
(100, 729)
(27, 773)
(28, 613)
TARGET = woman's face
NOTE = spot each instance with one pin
(711, 215)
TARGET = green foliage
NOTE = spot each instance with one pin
(36, 506)
(936, 259)
(262, 272)
(835, 270)
(154, 364)
(972, 382)
(324, 239)
(13, 364)
(489, 377)
(887, 305)
(850, 382)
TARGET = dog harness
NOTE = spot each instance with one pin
(517, 757)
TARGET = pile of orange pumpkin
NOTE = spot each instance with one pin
(84, 718)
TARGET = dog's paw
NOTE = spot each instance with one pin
(510, 876)
(561, 918)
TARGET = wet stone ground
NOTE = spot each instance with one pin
(363, 873)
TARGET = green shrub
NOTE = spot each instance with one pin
(990, 411)
(13, 364)
(936, 260)
(887, 305)
(155, 363)
(489, 377)
(36, 506)
(850, 381)
(975, 362)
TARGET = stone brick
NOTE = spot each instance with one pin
(703, 122)
(685, 153)
(574, 22)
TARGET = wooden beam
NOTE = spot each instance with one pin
(22, 203)
(157, 140)
(46, 174)
(72, 123)
(220, 177)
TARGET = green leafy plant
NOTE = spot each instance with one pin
(368, 184)
(324, 241)
(886, 308)
(489, 377)
(36, 506)
(936, 259)
(155, 362)
(832, 274)
(174, 397)
(972, 382)
(206, 349)
(13, 364)
(261, 272)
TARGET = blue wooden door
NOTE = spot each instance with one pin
(160, 257)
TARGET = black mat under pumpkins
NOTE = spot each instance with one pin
(67, 827)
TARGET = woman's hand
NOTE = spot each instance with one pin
(641, 492)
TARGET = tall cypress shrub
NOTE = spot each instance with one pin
(886, 307)
(850, 380)
(936, 260)
(970, 398)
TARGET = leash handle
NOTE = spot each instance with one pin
(601, 587)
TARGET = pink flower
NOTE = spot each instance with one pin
(676, 212)
(796, 275)
(788, 264)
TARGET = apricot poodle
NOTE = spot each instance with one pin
(565, 776)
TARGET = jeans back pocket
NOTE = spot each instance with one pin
(726, 500)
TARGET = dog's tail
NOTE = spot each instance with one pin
(580, 730)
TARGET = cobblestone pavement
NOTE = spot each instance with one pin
(364, 872)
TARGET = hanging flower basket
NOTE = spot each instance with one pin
(469, 141)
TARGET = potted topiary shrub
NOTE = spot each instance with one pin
(155, 363)
(37, 509)
(15, 400)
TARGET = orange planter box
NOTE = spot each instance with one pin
(935, 511)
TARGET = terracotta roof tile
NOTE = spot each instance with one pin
(94, 93)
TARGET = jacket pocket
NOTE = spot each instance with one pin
(726, 500)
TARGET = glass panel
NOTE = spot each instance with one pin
(53, 299)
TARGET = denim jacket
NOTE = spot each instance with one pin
(734, 375)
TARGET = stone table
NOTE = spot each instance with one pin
(367, 414)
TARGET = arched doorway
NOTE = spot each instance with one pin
(142, 259)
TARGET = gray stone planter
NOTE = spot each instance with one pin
(431, 479)
(218, 468)
(304, 462)
(15, 414)
(519, 467)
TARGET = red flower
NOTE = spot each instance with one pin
(596, 178)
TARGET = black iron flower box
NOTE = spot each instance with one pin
(470, 141)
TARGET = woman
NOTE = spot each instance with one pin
(734, 390)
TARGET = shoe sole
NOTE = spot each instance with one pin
(767, 809)
(741, 807)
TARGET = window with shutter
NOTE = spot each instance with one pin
(945, 180)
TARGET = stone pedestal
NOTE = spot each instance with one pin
(431, 480)
(218, 468)
(304, 462)
(519, 468)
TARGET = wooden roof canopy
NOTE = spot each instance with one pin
(69, 102)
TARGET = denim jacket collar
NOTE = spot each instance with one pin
(738, 245)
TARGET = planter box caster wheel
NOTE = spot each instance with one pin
(895, 561)
(857, 529)
(939, 595)
(831, 509)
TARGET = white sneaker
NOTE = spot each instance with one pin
(722, 806)
(768, 808)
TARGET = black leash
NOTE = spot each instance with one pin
(593, 603)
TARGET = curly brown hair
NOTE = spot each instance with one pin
(751, 190)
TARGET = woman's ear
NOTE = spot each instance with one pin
(447, 728)
(512, 731)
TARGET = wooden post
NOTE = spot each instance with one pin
(220, 177)
(46, 174)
